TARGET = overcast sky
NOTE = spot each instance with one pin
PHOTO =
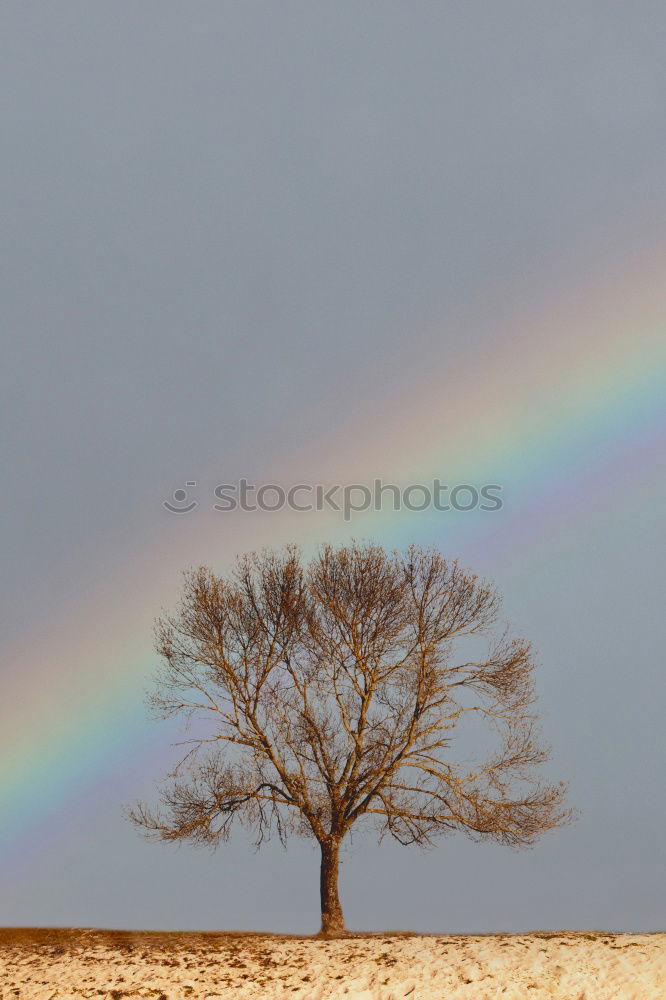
(229, 229)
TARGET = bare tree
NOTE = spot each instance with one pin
(332, 693)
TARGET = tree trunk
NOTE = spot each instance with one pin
(332, 919)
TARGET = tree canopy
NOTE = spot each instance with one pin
(330, 692)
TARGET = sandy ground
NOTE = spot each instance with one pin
(42, 964)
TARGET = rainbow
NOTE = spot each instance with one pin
(568, 404)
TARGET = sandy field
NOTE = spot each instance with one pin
(40, 964)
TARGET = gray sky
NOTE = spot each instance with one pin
(230, 229)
